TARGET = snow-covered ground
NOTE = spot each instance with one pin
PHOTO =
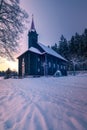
(44, 103)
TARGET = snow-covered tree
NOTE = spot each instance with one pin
(12, 19)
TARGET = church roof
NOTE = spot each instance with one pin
(51, 51)
(31, 49)
(35, 50)
(45, 50)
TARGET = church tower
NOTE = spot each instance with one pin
(32, 35)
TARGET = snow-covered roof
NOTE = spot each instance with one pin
(31, 49)
(51, 52)
(46, 50)
(35, 50)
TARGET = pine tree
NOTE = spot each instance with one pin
(55, 47)
(63, 47)
(8, 74)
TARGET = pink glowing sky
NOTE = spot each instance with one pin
(52, 19)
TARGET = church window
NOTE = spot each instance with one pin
(38, 70)
(54, 65)
(49, 64)
(61, 66)
(38, 59)
(58, 67)
(64, 67)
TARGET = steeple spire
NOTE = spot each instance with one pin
(32, 24)
(32, 35)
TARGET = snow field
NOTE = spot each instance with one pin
(44, 103)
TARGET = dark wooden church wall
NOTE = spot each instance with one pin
(39, 65)
(33, 64)
(20, 66)
(63, 67)
(52, 64)
(27, 63)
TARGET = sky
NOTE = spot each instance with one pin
(56, 17)
(52, 18)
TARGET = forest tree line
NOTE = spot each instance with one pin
(8, 73)
(74, 50)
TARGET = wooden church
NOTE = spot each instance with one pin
(39, 59)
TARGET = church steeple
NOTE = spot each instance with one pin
(32, 35)
(32, 25)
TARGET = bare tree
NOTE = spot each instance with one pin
(12, 19)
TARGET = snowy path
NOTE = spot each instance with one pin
(43, 103)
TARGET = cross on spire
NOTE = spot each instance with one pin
(32, 24)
